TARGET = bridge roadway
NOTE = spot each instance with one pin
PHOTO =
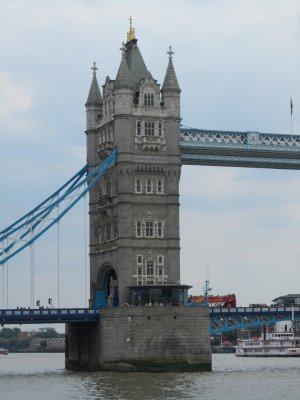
(48, 315)
(221, 319)
(239, 149)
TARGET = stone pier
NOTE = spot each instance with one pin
(154, 339)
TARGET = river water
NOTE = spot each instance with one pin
(43, 377)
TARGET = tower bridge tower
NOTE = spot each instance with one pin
(134, 230)
(134, 210)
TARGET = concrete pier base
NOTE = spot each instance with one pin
(157, 339)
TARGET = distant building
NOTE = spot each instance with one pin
(287, 300)
(26, 334)
(47, 344)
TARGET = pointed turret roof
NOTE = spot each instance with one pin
(170, 81)
(123, 76)
(94, 97)
(136, 65)
(135, 62)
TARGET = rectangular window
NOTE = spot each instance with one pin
(150, 271)
(149, 128)
(159, 271)
(160, 130)
(160, 229)
(149, 232)
(150, 268)
(138, 128)
(149, 186)
(138, 228)
(160, 260)
(150, 229)
(139, 259)
(138, 185)
(159, 186)
(139, 271)
(149, 100)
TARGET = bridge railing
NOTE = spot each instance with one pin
(229, 319)
(235, 310)
(41, 315)
(211, 137)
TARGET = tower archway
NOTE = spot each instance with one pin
(107, 290)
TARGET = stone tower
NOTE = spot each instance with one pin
(134, 210)
(134, 230)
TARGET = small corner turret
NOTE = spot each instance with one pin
(94, 102)
(123, 88)
(170, 90)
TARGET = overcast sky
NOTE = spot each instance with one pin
(237, 63)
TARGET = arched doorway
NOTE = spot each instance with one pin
(107, 291)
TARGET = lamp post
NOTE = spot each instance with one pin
(50, 302)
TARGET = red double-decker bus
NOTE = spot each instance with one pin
(227, 300)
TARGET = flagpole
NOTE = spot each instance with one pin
(291, 107)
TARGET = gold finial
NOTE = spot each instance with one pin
(131, 33)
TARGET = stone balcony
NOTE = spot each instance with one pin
(150, 143)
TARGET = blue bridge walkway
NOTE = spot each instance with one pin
(48, 315)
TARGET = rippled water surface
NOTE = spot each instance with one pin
(42, 377)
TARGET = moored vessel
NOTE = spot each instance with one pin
(3, 351)
(275, 344)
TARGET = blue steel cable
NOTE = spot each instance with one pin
(44, 212)
(93, 177)
(75, 178)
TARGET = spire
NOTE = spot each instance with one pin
(123, 76)
(131, 33)
(94, 97)
(170, 81)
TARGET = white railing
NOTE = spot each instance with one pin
(239, 138)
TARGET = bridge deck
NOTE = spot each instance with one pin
(240, 149)
(52, 315)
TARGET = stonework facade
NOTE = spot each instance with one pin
(134, 210)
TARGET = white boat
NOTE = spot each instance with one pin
(275, 344)
(3, 351)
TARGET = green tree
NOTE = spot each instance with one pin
(9, 333)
